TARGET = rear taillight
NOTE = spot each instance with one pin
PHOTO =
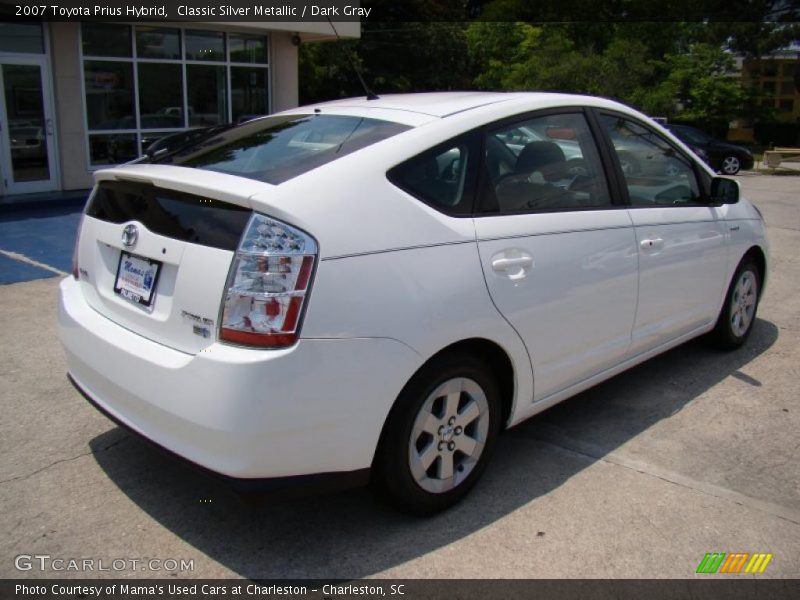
(268, 285)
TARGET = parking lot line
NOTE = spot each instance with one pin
(14, 270)
(37, 242)
(29, 261)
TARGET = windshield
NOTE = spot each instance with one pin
(275, 149)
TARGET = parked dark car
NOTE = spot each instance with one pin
(724, 157)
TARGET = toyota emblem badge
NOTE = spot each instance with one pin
(129, 236)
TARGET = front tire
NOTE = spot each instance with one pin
(739, 311)
(439, 435)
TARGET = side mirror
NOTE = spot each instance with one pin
(724, 191)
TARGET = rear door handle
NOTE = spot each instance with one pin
(651, 243)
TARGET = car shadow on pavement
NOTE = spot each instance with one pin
(350, 535)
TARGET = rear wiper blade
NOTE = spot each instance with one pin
(177, 141)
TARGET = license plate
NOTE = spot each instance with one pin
(137, 278)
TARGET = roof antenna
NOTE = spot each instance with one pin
(370, 94)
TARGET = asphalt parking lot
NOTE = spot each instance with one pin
(692, 452)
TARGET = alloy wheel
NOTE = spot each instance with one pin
(731, 165)
(743, 303)
(448, 435)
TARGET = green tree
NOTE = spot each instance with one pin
(325, 70)
(632, 51)
(705, 84)
(393, 57)
(521, 56)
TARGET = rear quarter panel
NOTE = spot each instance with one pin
(428, 298)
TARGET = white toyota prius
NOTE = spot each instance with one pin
(372, 290)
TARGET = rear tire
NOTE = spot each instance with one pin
(439, 435)
(738, 314)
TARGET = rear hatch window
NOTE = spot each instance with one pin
(276, 149)
(180, 216)
(155, 261)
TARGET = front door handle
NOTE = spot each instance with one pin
(651, 244)
(514, 263)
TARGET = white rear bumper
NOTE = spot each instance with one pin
(317, 407)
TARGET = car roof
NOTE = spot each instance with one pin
(435, 104)
(418, 108)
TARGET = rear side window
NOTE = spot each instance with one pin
(443, 177)
(547, 163)
(276, 149)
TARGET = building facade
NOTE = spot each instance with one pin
(777, 79)
(76, 97)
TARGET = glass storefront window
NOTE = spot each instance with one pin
(171, 79)
(24, 38)
(248, 48)
(248, 93)
(112, 149)
(206, 90)
(160, 95)
(205, 45)
(157, 42)
(153, 136)
(104, 39)
(109, 94)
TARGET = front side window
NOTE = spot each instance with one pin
(656, 174)
(545, 163)
(275, 149)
